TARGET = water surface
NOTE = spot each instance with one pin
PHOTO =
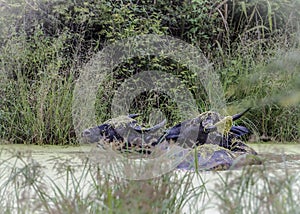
(277, 157)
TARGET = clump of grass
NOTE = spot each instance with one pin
(259, 67)
(45, 42)
(36, 97)
(39, 114)
(270, 88)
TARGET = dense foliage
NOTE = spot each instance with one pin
(252, 45)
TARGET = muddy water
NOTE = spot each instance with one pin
(276, 156)
(280, 156)
(277, 159)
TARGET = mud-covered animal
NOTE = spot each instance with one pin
(124, 134)
(209, 128)
(207, 142)
(211, 142)
(211, 157)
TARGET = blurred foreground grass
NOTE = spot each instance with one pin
(73, 184)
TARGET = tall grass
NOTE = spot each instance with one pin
(259, 190)
(258, 64)
(82, 187)
(40, 112)
(36, 97)
(269, 87)
(62, 185)
(44, 47)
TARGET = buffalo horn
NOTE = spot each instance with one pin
(239, 115)
(133, 115)
(151, 129)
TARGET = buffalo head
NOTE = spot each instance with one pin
(193, 132)
(123, 129)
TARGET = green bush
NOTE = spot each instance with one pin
(41, 57)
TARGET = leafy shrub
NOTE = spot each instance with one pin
(51, 40)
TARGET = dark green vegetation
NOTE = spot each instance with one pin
(253, 46)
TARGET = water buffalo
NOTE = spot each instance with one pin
(214, 138)
(209, 128)
(123, 134)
